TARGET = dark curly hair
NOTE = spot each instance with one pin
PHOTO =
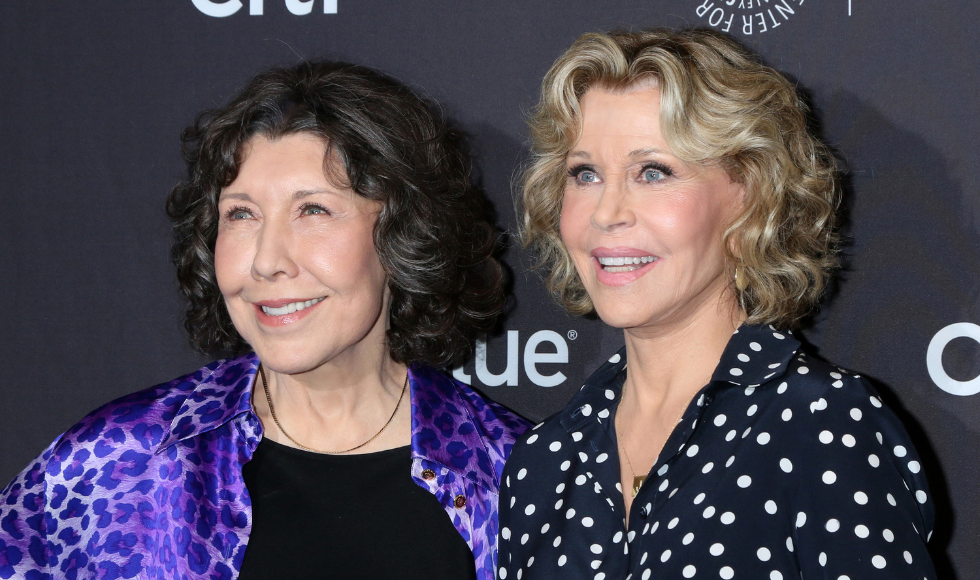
(432, 236)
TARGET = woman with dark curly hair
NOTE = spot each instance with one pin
(677, 192)
(328, 236)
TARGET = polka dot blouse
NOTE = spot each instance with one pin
(783, 467)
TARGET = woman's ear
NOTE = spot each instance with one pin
(737, 191)
(736, 208)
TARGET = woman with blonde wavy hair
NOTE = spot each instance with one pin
(677, 192)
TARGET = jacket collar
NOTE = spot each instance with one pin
(444, 425)
(755, 355)
(219, 392)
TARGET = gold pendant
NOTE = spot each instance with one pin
(637, 483)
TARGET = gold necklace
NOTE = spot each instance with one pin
(272, 411)
(639, 479)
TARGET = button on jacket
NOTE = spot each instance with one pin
(150, 485)
(783, 467)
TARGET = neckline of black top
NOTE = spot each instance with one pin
(371, 455)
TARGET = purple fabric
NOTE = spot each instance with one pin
(150, 485)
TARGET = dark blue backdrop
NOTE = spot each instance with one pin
(93, 96)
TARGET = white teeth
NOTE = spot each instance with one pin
(610, 264)
(618, 269)
(289, 308)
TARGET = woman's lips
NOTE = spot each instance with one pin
(621, 266)
(283, 312)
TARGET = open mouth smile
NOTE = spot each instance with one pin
(289, 308)
(284, 312)
(625, 263)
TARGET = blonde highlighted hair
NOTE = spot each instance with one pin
(719, 104)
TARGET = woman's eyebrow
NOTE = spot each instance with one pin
(632, 154)
(648, 151)
(302, 193)
(241, 196)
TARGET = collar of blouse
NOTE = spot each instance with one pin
(448, 428)
(755, 355)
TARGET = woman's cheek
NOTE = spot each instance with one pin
(230, 263)
(573, 220)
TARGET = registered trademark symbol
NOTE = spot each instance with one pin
(572, 334)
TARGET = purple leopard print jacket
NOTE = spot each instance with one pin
(150, 485)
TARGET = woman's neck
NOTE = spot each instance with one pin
(669, 363)
(340, 387)
(341, 403)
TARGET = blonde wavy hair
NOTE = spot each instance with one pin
(719, 104)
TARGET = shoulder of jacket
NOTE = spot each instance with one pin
(495, 422)
(137, 421)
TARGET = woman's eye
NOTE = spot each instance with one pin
(650, 175)
(654, 172)
(584, 174)
(313, 210)
(238, 213)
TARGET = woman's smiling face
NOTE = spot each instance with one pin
(644, 229)
(295, 257)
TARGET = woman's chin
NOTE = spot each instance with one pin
(286, 360)
(623, 317)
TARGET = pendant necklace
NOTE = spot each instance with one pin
(639, 479)
(272, 411)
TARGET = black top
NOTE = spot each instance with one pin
(346, 516)
(783, 467)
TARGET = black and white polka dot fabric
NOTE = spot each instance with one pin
(783, 467)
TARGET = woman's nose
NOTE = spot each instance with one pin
(612, 210)
(273, 256)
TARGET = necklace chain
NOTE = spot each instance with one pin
(638, 480)
(272, 411)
